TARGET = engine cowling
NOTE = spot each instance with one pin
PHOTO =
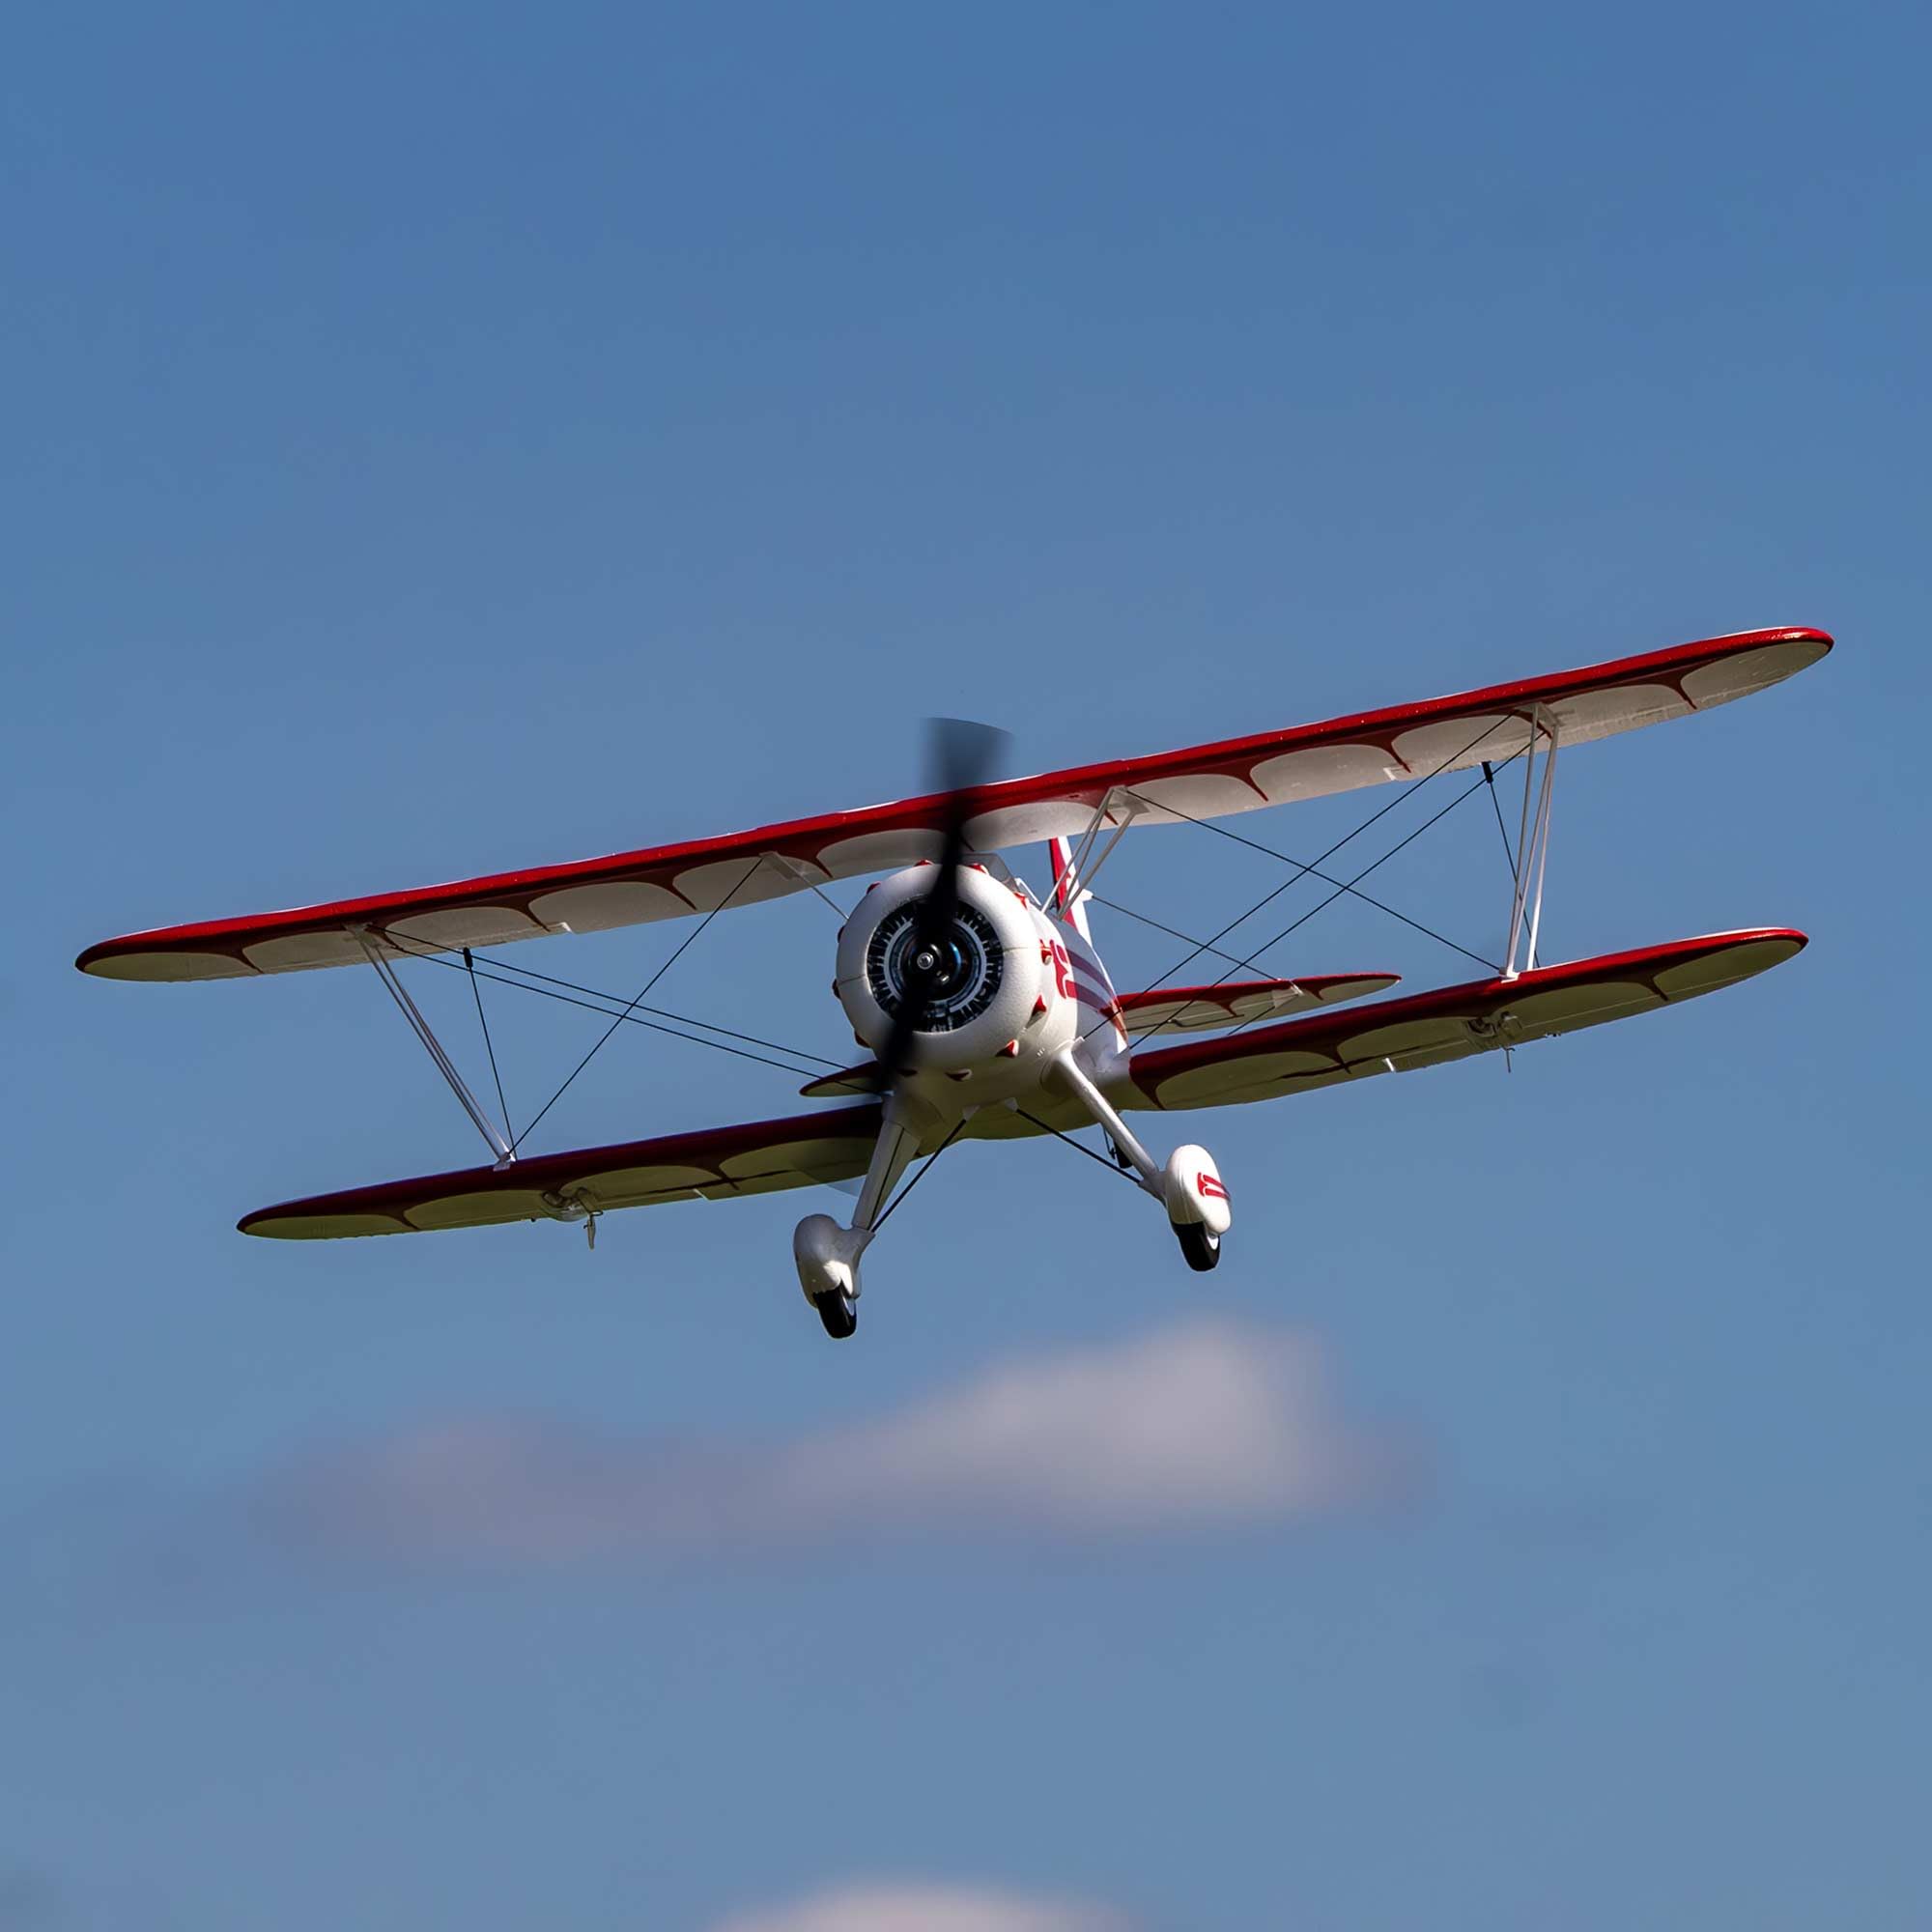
(982, 991)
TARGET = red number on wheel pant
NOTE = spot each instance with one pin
(1210, 1187)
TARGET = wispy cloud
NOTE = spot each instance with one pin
(1207, 1424)
(926, 1908)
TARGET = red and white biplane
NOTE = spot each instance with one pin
(985, 1009)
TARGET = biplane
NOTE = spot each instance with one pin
(984, 1008)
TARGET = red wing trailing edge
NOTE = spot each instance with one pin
(1399, 743)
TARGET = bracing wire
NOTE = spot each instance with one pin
(1313, 872)
(1508, 851)
(678, 952)
(1296, 924)
(1079, 1146)
(489, 1045)
(1302, 869)
(498, 970)
(893, 1206)
(653, 1026)
(633, 1011)
(1173, 932)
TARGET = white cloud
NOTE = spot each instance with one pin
(914, 1908)
(1204, 1424)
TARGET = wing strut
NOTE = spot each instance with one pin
(1083, 867)
(1532, 843)
(500, 1144)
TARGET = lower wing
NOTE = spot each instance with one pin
(714, 1164)
(1451, 1023)
(808, 1149)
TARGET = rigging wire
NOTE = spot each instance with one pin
(1489, 778)
(678, 954)
(550, 986)
(1314, 871)
(604, 1012)
(489, 1046)
(1173, 932)
(960, 1127)
(893, 1206)
(1343, 887)
(1304, 868)
(505, 966)
(1079, 1146)
(1459, 797)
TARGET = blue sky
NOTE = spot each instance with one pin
(440, 440)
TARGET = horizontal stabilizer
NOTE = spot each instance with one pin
(1240, 1002)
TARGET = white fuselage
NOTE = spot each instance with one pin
(1016, 1010)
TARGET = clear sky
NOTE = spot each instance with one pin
(438, 439)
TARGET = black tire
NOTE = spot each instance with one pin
(840, 1314)
(1202, 1249)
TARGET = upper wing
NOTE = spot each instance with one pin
(758, 1158)
(1237, 1002)
(1430, 1028)
(1405, 741)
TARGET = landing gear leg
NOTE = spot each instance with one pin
(1189, 1186)
(827, 1255)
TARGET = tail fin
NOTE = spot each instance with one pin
(1069, 902)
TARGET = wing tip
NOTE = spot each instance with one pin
(1823, 641)
(1749, 934)
(1321, 982)
(1771, 633)
(274, 1224)
(283, 1224)
(155, 959)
